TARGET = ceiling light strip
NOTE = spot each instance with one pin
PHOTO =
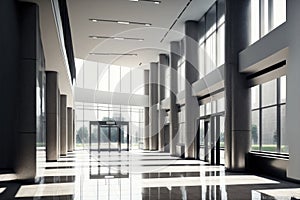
(171, 27)
(149, 1)
(115, 38)
(120, 22)
(113, 54)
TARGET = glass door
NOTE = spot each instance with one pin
(114, 140)
(211, 139)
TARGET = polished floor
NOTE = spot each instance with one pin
(141, 175)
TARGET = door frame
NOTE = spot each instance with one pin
(109, 124)
(214, 154)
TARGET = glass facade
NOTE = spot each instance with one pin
(86, 112)
(268, 116)
(110, 78)
(212, 39)
(266, 15)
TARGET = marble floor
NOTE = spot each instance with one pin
(141, 175)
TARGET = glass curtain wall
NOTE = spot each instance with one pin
(86, 112)
(212, 39)
(110, 78)
(266, 15)
(268, 116)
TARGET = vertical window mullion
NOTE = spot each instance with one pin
(261, 18)
(278, 117)
(270, 15)
(260, 117)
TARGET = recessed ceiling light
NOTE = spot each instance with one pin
(120, 22)
(115, 38)
(148, 1)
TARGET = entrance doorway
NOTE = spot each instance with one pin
(210, 145)
(109, 136)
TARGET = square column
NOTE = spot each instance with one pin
(153, 100)
(163, 66)
(174, 58)
(70, 129)
(63, 125)
(52, 116)
(146, 113)
(237, 111)
(191, 75)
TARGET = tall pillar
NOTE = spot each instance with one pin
(163, 66)
(153, 100)
(174, 58)
(25, 160)
(146, 113)
(293, 93)
(70, 129)
(52, 116)
(191, 75)
(63, 125)
(237, 112)
(74, 132)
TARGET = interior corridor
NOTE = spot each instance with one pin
(141, 175)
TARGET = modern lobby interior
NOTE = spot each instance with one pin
(150, 99)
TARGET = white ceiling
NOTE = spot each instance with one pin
(160, 16)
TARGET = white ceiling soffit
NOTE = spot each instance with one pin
(160, 16)
(52, 48)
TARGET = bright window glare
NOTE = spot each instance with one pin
(78, 65)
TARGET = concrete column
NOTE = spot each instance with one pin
(146, 113)
(52, 120)
(63, 125)
(237, 111)
(293, 93)
(191, 75)
(70, 129)
(174, 58)
(25, 159)
(74, 132)
(153, 100)
(163, 66)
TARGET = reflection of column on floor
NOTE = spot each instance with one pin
(191, 75)
(175, 52)
(153, 100)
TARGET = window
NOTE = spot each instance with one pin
(266, 15)
(110, 78)
(268, 116)
(212, 39)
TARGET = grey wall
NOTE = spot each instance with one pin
(271, 43)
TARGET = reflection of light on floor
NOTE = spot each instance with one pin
(2, 190)
(281, 193)
(41, 190)
(204, 181)
(59, 172)
(8, 177)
